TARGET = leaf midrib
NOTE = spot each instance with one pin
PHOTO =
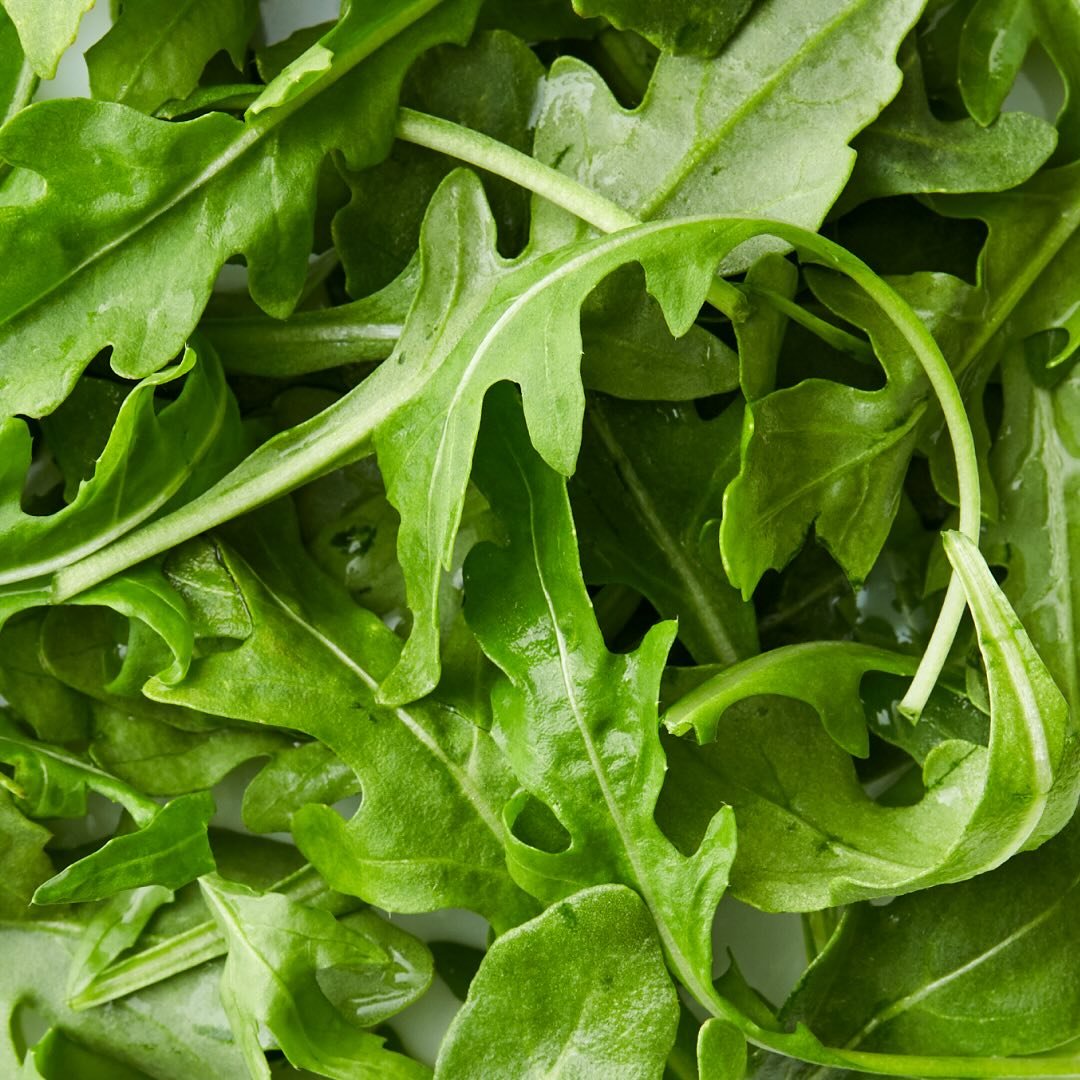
(483, 811)
(917, 996)
(749, 105)
(695, 589)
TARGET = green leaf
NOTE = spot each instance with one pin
(833, 456)
(761, 334)
(26, 866)
(762, 130)
(309, 341)
(378, 230)
(721, 1051)
(577, 723)
(579, 991)
(160, 759)
(152, 453)
(1034, 787)
(978, 968)
(157, 49)
(173, 1031)
(296, 776)
(46, 28)
(646, 494)
(810, 837)
(151, 244)
(55, 1056)
(113, 928)
(907, 149)
(310, 643)
(825, 674)
(1036, 462)
(280, 956)
(995, 39)
(170, 849)
(438, 394)
(55, 711)
(699, 27)
(17, 79)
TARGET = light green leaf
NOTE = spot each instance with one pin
(721, 1051)
(762, 130)
(22, 852)
(825, 674)
(170, 849)
(280, 953)
(296, 776)
(1036, 462)
(157, 49)
(47, 28)
(107, 203)
(152, 451)
(112, 929)
(312, 663)
(160, 759)
(577, 723)
(810, 837)
(174, 1031)
(579, 991)
(17, 79)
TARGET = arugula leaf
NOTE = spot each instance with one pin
(581, 990)
(176, 178)
(161, 759)
(114, 927)
(157, 50)
(1037, 462)
(995, 39)
(17, 79)
(976, 968)
(907, 149)
(401, 859)
(294, 777)
(763, 130)
(47, 28)
(578, 724)
(169, 849)
(175, 1030)
(26, 866)
(646, 495)
(284, 961)
(798, 801)
(151, 455)
(699, 28)
(833, 456)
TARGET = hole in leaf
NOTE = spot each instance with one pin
(537, 826)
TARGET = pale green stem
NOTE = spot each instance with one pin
(835, 336)
(487, 153)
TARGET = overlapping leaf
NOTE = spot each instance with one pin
(108, 204)
(577, 723)
(427, 833)
(810, 837)
(762, 130)
(157, 49)
(581, 990)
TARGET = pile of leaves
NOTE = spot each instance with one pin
(633, 457)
